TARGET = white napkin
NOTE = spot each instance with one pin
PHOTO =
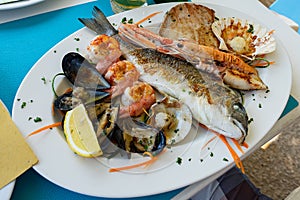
(38, 8)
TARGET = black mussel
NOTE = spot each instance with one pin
(96, 110)
(137, 137)
(109, 134)
(127, 135)
(78, 95)
(80, 72)
(108, 121)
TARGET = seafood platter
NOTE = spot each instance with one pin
(154, 97)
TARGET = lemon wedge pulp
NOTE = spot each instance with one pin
(80, 134)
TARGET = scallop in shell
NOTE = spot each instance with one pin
(171, 116)
(243, 37)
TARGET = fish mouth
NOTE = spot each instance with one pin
(240, 120)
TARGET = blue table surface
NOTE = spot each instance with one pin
(22, 43)
(286, 8)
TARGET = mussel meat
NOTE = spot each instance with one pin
(129, 134)
(78, 95)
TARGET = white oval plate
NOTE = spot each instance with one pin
(20, 4)
(89, 176)
(6, 191)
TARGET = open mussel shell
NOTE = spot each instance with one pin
(243, 37)
(131, 135)
(78, 95)
(173, 117)
(80, 72)
(140, 137)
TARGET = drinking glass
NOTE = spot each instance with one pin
(123, 5)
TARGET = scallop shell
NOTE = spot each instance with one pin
(243, 37)
(173, 117)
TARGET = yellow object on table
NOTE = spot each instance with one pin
(15, 154)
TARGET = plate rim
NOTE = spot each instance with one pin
(6, 191)
(21, 4)
(169, 5)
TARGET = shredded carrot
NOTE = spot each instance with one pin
(261, 62)
(146, 163)
(68, 90)
(209, 141)
(234, 155)
(245, 145)
(145, 18)
(238, 145)
(53, 109)
(44, 128)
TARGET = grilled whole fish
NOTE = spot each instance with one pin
(212, 103)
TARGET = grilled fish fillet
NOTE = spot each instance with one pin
(190, 21)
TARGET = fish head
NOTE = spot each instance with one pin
(239, 119)
(231, 121)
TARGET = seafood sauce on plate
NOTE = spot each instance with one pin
(183, 163)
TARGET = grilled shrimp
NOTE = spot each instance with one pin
(136, 99)
(230, 68)
(103, 51)
(213, 104)
(121, 75)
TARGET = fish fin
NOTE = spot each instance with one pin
(99, 23)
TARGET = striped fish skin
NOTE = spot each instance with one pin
(212, 103)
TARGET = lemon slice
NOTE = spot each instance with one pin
(80, 133)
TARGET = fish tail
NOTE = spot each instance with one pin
(99, 23)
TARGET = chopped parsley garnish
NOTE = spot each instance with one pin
(77, 39)
(251, 29)
(190, 159)
(259, 105)
(37, 119)
(44, 80)
(201, 160)
(179, 161)
(250, 120)
(225, 159)
(176, 130)
(29, 118)
(124, 20)
(23, 104)
(77, 49)
(130, 21)
(211, 154)
(173, 141)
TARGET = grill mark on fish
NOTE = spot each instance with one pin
(200, 83)
(212, 103)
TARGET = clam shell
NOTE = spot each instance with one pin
(176, 113)
(243, 37)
